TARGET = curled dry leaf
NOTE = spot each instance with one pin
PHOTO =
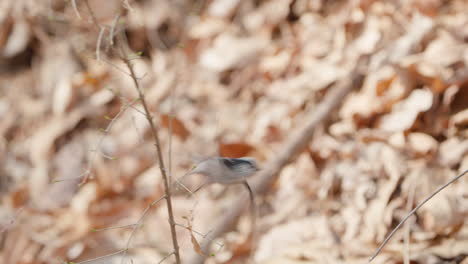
(422, 143)
(222, 8)
(229, 51)
(405, 113)
(196, 246)
(460, 119)
(288, 240)
(452, 151)
(207, 28)
(18, 39)
(442, 215)
(63, 96)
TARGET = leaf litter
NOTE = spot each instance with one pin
(234, 78)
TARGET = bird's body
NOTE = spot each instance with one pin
(226, 170)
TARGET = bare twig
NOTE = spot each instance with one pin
(163, 259)
(154, 131)
(87, 173)
(98, 43)
(409, 204)
(293, 146)
(101, 139)
(169, 149)
(113, 227)
(411, 213)
(127, 61)
(112, 29)
(75, 9)
(138, 224)
(91, 13)
(99, 258)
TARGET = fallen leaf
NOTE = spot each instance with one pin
(235, 150)
(422, 143)
(229, 51)
(405, 113)
(178, 128)
(196, 245)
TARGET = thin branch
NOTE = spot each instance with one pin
(411, 213)
(194, 231)
(409, 204)
(100, 257)
(93, 16)
(98, 43)
(75, 9)
(113, 227)
(117, 67)
(138, 224)
(87, 173)
(127, 5)
(163, 259)
(154, 132)
(171, 119)
(132, 75)
(112, 30)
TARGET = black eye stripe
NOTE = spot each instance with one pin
(233, 163)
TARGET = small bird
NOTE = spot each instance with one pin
(226, 170)
(229, 171)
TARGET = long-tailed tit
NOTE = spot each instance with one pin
(225, 170)
(229, 171)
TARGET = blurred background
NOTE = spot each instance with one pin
(232, 78)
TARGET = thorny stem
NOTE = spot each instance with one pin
(154, 132)
(162, 168)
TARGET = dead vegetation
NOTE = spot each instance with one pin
(235, 78)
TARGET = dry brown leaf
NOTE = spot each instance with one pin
(460, 119)
(368, 40)
(230, 51)
(18, 39)
(419, 26)
(207, 28)
(195, 244)
(383, 85)
(426, 74)
(273, 134)
(404, 114)
(442, 215)
(422, 143)
(222, 8)
(445, 50)
(63, 97)
(235, 150)
(288, 239)
(276, 64)
(428, 7)
(19, 197)
(178, 128)
(452, 151)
